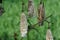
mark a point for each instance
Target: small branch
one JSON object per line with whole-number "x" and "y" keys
{"x": 42, "y": 20}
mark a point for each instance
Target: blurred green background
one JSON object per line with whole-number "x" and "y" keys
{"x": 9, "y": 21}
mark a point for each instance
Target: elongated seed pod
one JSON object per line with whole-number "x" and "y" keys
{"x": 23, "y": 25}
{"x": 41, "y": 13}
{"x": 49, "y": 35}
{"x": 30, "y": 8}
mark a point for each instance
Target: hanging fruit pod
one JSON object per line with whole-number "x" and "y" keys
{"x": 23, "y": 25}
{"x": 41, "y": 13}
{"x": 30, "y": 8}
{"x": 49, "y": 35}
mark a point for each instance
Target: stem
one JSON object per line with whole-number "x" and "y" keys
{"x": 42, "y": 20}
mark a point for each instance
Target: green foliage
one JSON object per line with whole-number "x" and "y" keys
{"x": 9, "y": 21}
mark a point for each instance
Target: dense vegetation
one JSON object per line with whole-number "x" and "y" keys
{"x": 10, "y": 20}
